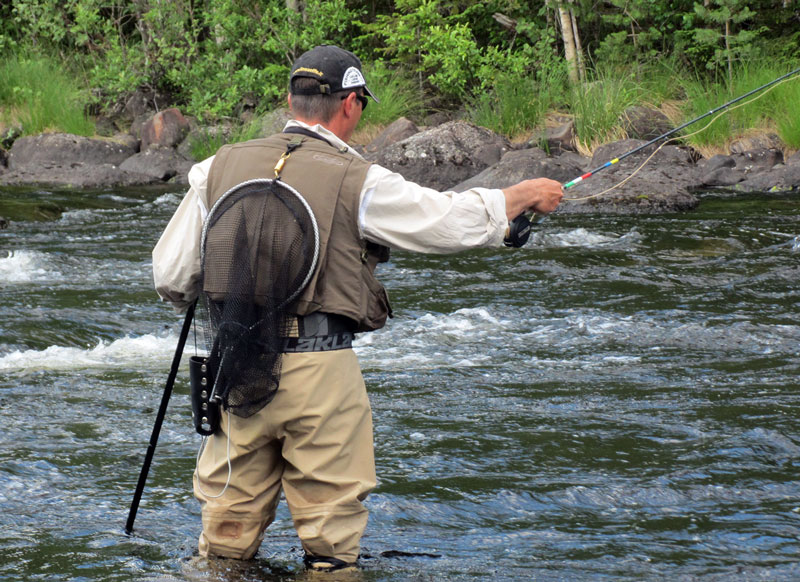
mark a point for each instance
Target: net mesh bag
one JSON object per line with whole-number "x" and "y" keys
{"x": 259, "y": 249}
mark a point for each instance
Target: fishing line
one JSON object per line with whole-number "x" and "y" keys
{"x": 519, "y": 229}
{"x": 230, "y": 468}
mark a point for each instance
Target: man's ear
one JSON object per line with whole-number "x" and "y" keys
{"x": 349, "y": 103}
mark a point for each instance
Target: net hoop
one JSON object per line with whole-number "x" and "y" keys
{"x": 296, "y": 194}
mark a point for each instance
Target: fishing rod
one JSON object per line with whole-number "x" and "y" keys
{"x": 519, "y": 229}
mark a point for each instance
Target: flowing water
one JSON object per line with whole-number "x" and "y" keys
{"x": 616, "y": 401}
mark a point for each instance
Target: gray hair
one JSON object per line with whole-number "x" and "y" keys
{"x": 319, "y": 107}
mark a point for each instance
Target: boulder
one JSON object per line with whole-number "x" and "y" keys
{"x": 718, "y": 171}
{"x": 758, "y": 160}
{"x": 75, "y": 175}
{"x": 274, "y": 122}
{"x": 561, "y": 139}
{"x": 165, "y": 129}
{"x": 645, "y": 123}
{"x": 781, "y": 178}
{"x": 662, "y": 184}
{"x": 58, "y": 149}
{"x": 721, "y": 178}
{"x": 3, "y": 223}
{"x": 516, "y": 166}
{"x": 161, "y": 164}
{"x": 444, "y": 156}
{"x": 397, "y": 131}
{"x": 757, "y": 141}
{"x": 138, "y": 108}
{"x": 716, "y": 162}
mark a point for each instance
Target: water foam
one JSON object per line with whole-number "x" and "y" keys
{"x": 456, "y": 339}
{"x": 579, "y": 237}
{"x": 144, "y": 350}
{"x": 27, "y": 267}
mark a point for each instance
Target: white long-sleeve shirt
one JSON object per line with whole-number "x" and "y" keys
{"x": 393, "y": 212}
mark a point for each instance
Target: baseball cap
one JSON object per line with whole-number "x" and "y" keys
{"x": 336, "y": 70}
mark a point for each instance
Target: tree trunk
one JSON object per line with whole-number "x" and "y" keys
{"x": 578, "y": 48}
{"x": 570, "y": 49}
{"x": 728, "y": 50}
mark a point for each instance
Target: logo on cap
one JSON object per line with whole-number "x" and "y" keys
{"x": 353, "y": 78}
{"x": 307, "y": 70}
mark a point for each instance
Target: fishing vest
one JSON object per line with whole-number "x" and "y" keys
{"x": 331, "y": 181}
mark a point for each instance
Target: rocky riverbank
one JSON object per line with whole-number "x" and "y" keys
{"x": 454, "y": 155}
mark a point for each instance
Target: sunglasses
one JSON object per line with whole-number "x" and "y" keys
{"x": 362, "y": 98}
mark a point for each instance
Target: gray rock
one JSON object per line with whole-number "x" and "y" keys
{"x": 519, "y": 165}
{"x": 160, "y": 164}
{"x": 662, "y": 184}
{"x": 758, "y": 160}
{"x": 645, "y": 123}
{"x": 76, "y": 175}
{"x": 274, "y": 122}
{"x": 444, "y": 156}
{"x": 138, "y": 108}
{"x": 396, "y": 132}
{"x": 781, "y": 178}
{"x": 762, "y": 141}
{"x": 722, "y": 177}
{"x": 560, "y": 139}
{"x": 716, "y": 162}
{"x": 65, "y": 149}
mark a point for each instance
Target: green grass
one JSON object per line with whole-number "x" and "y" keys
{"x": 598, "y": 106}
{"x": 38, "y": 94}
{"x": 775, "y": 108}
{"x": 399, "y": 96}
{"x": 515, "y": 106}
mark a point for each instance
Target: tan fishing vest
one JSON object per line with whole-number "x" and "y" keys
{"x": 331, "y": 181}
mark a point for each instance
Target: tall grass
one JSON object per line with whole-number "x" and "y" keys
{"x": 515, "y": 106}
{"x": 40, "y": 95}
{"x": 598, "y": 106}
{"x": 774, "y": 109}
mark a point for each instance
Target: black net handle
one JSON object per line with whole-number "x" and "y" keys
{"x": 162, "y": 411}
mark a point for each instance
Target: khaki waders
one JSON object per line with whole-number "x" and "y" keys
{"x": 314, "y": 442}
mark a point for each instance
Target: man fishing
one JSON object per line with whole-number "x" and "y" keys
{"x": 314, "y": 440}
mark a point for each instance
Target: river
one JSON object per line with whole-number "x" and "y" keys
{"x": 618, "y": 400}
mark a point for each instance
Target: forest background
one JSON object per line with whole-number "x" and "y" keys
{"x": 504, "y": 64}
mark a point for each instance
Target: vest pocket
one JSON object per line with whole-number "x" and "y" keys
{"x": 374, "y": 301}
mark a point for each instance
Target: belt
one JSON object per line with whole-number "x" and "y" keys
{"x": 320, "y": 332}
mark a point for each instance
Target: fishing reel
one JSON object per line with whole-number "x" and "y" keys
{"x": 519, "y": 229}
